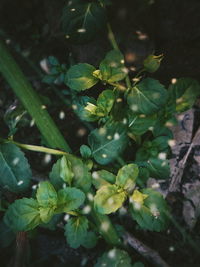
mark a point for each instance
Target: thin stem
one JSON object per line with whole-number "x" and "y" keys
{"x": 111, "y": 37}
{"x": 35, "y": 148}
{"x": 114, "y": 44}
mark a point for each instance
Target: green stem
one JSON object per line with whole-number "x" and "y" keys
{"x": 31, "y": 101}
{"x": 35, "y": 148}
{"x": 114, "y": 44}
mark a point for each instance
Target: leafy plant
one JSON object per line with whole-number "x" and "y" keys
{"x": 128, "y": 116}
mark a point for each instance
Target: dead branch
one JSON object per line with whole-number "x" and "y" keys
{"x": 148, "y": 253}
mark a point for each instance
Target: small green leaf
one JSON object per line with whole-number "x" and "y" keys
{"x": 158, "y": 148}
{"x": 79, "y": 105}
{"x": 82, "y": 20}
{"x": 46, "y": 195}
{"x": 85, "y": 151}
{"x": 112, "y": 68}
{"x": 82, "y": 177}
{"x": 139, "y": 124}
{"x": 23, "y": 215}
{"x": 126, "y": 177}
{"x": 47, "y": 200}
{"x": 152, "y": 63}
{"x": 102, "y": 177}
{"x": 150, "y": 210}
{"x": 53, "y": 60}
{"x": 147, "y": 97}
{"x": 159, "y": 168}
{"x": 183, "y": 94}
{"x": 108, "y": 199}
{"x": 69, "y": 199}
{"x": 105, "y": 102}
{"x": 46, "y": 213}
{"x": 76, "y": 231}
{"x": 114, "y": 258}
{"x": 108, "y": 142}
{"x": 80, "y": 77}
{"x": 15, "y": 172}
{"x": 54, "y": 176}
{"x": 66, "y": 172}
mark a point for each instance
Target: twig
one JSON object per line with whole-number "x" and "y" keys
{"x": 175, "y": 181}
{"x": 147, "y": 252}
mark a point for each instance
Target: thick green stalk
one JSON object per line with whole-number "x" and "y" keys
{"x": 29, "y": 98}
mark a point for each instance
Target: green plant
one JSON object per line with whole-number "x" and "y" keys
{"x": 128, "y": 113}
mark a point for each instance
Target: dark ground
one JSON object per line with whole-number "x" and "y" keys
{"x": 170, "y": 27}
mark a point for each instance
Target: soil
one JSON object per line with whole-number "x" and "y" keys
{"x": 164, "y": 27}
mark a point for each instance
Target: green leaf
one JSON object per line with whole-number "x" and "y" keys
{"x": 66, "y": 172}
{"x": 108, "y": 142}
{"x": 46, "y": 213}
{"x": 152, "y": 63}
{"x": 79, "y": 107}
{"x": 6, "y": 235}
{"x": 82, "y": 177}
{"x": 15, "y": 172}
{"x": 76, "y": 231}
{"x": 90, "y": 240}
{"x": 158, "y": 168}
{"x": 147, "y": 97}
{"x": 54, "y": 176}
{"x": 82, "y": 20}
{"x": 80, "y": 77}
{"x": 151, "y": 212}
{"x": 112, "y": 68}
{"x": 103, "y": 177}
{"x": 183, "y": 94}
{"x": 46, "y": 195}
{"x": 23, "y": 215}
{"x": 47, "y": 199}
{"x": 126, "y": 177}
{"x": 105, "y": 102}
{"x": 114, "y": 258}
{"x": 139, "y": 124}
{"x": 85, "y": 151}
{"x": 69, "y": 199}
{"x": 108, "y": 199}
{"x": 152, "y": 149}
{"x": 53, "y": 61}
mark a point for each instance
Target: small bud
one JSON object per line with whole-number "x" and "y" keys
{"x": 152, "y": 63}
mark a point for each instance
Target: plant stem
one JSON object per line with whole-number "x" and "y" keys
{"x": 35, "y": 148}
{"x": 31, "y": 101}
{"x": 111, "y": 38}
{"x": 115, "y": 46}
